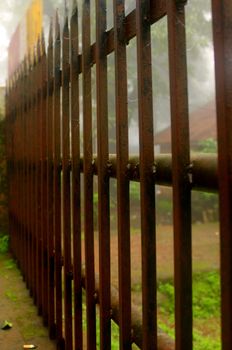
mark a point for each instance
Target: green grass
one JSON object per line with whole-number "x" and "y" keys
{"x": 114, "y": 328}
{"x": 206, "y": 309}
{"x": 4, "y": 244}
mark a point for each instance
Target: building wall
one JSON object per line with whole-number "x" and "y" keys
{"x": 25, "y": 36}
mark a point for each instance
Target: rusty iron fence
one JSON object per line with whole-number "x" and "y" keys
{"x": 45, "y": 111}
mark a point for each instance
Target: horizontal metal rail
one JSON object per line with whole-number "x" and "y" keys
{"x": 202, "y": 170}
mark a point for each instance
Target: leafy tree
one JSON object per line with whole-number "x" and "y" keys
{"x": 208, "y": 146}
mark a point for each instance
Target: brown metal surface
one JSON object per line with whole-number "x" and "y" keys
{"x": 44, "y": 179}
{"x": 27, "y": 174}
{"x": 38, "y": 176}
{"x": 50, "y": 202}
{"x": 22, "y": 173}
{"x": 34, "y": 202}
{"x": 103, "y": 177}
{"x": 124, "y": 263}
{"x": 30, "y": 194}
{"x": 66, "y": 205}
{"x": 146, "y": 142}
{"x": 76, "y": 188}
{"x": 57, "y": 187}
{"x": 180, "y": 178}
{"x": 222, "y": 33}
{"x": 88, "y": 178}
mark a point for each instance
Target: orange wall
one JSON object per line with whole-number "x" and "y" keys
{"x": 25, "y": 36}
{"x": 34, "y": 23}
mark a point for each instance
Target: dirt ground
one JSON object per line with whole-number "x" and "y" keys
{"x": 205, "y": 251}
{"x": 205, "y": 254}
{"x": 17, "y": 307}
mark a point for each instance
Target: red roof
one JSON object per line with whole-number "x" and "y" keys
{"x": 202, "y": 123}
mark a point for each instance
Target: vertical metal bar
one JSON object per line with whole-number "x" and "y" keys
{"x": 16, "y": 242}
{"x": 103, "y": 176}
{"x": 17, "y": 148}
{"x": 180, "y": 166}
{"x": 29, "y": 172}
{"x": 44, "y": 215}
{"x": 22, "y": 167}
{"x": 17, "y": 198}
{"x": 57, "y": 186}
{"x": 13, "y": 167}
{"x": 10, "y": 110}
{"x": 66, "y": 186}
{"x": 37, "y": 177}
{"x": 23, "y": 180}
{"x": 26, "y": 109}
{"x": 124, "y": 262}
{"x": 50, "y": 202}
{"x": 10, "y": 126}
{"x": 8, "y": 145}
{"x": 26, "y": 169}
{"x": 17, "y": 152}
{"x": 16, "y": 170}
{"x": 21, "y": 172}
{"x": 34, "y": 168}
{"x": 24, "y": 172}
{"x": 146, "y": 140}
{"x": 222, "y": 33}
{"x": 33, "y": 176}
{"x": 39, "y": 265}
{"x": 76, "y": 188}
{"x": 88, "y": 178}
{"x": 17, "y": 231}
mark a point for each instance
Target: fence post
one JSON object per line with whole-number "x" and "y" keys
{"x": 123, "y": 186}
{"x": 181, "y": 184}
{"x": 222, "y": 34}
{"x": 146, "y": 144}
{"x": 76, "y": 185}
{"x": 57, "y": 186}
{"x": 88, "y": 177}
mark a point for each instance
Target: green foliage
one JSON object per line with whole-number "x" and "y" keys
{"x": 206, "y": 291}
{"x": 10, "y": 264}
{"x": 205, "y": 342}
{"x": 206, "y": 299}
{"x": 11, "y": 295}
{"x": 134, "y": 192}
{"x": 206, "y": 306}
{"x": 164, "y": 210}
{"x": 114, "y": 327}
{"x": 207, "y": 146}
{"x": 167, "y": 289}
{"x": 4, "y": 244}
{"x": 204, "y": 207}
